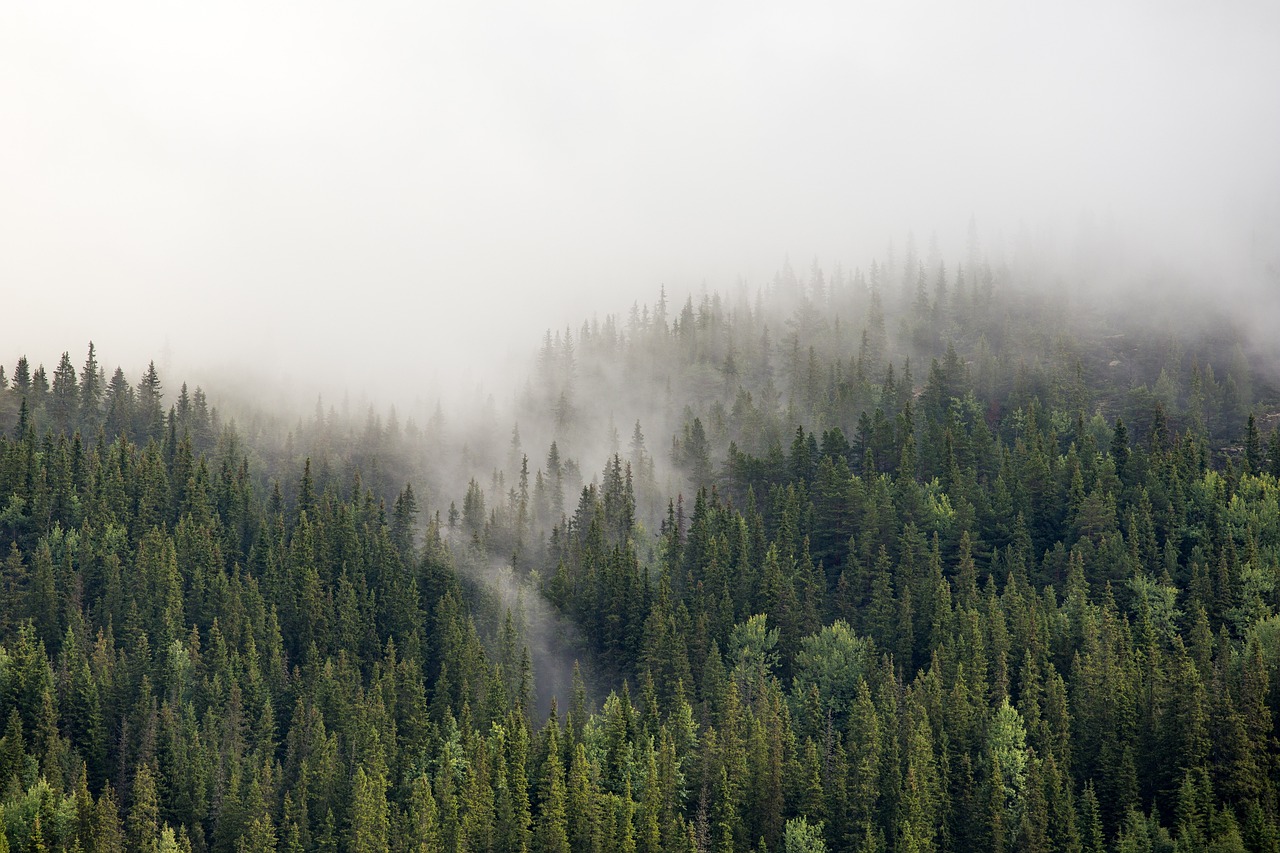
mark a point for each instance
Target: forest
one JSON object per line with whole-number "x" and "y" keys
{"x": 908, "y": 558}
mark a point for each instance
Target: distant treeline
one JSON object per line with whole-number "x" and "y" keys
{"x": 933, "y": 563}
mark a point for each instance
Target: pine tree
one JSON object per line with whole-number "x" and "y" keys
{"x": 107, "y": 834}
{"x": 1273, "y": 453}
{"x": 119, "y": 405}
{"x": 551, "y": 828}
{"x": 64, "y": 400}
{"x": 144, "y": 814}
{"x": 422, "y": 826}
{"x": 149, "y": 415}
{"x": 39, "y": 386}
{"x": 1252, "y": 447}
{"x": 802, "y": 837}
{"x": 403, "y": 519}
{"x": 583, "y": 814}
{"x": 22, "y": 376}
{"x": 369, "y": 821}
{"x": 1120, "y": 447}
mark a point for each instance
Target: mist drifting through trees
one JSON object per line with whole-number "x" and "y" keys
{"x": 655, "y": 429}
{"x": 897, "y": 558}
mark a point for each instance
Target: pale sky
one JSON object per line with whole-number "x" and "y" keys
{"x": 389, "y": 191}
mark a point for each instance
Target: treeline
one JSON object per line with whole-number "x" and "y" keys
{"x": 190, "y": 664}
{"x": 87, "y": 401}
{"x": 938, "y": 679}
{"x": 1061, "y": 534}
{"x": 1027, "y": 601}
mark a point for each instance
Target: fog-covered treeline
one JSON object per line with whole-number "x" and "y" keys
{"x": 908, "y": 557}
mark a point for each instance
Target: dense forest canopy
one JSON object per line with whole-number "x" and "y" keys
{"x": 911, "y": 557}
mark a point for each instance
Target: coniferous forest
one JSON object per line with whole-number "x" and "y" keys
{"x": 907, "y": 558}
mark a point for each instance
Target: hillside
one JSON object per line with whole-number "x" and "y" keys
{"x": 896, "y": 559}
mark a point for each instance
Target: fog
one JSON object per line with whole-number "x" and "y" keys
{"x": 390, "y": 204}
{"x": 393, "y": 200}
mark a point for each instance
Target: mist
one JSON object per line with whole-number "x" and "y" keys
{"x": 341, "y": 211}
{"x": 508, "y": 358}
{"x": 396, "y": 203}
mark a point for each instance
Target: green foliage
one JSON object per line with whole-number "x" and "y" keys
{"x": 1028, "y": 605}
{"x": 802, "y": 837}
{"x": 835, "y": 661}
{"x": 753, "y": 650}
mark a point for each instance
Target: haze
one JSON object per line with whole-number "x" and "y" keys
{"x": 397, "y": 197}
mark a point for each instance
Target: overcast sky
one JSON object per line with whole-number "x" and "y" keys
{"x": 393, "y": 188}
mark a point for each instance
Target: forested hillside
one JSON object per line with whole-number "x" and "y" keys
{"x": 901, "y": 559}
